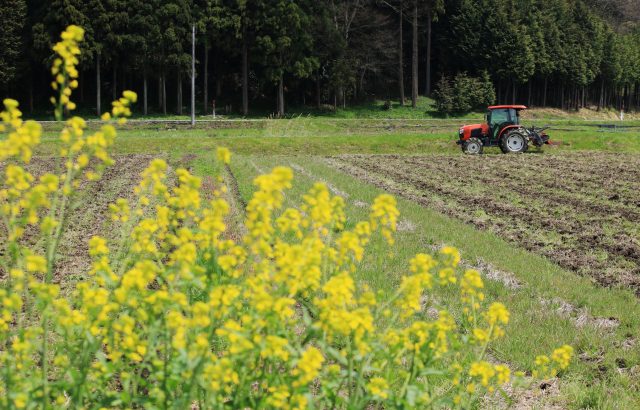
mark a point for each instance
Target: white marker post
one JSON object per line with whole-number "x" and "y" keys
{"x": 193, "y": 76}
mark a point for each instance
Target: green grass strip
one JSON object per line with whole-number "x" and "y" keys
{"x": 595, "y": 380}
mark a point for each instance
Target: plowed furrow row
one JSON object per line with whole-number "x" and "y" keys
{"x": 572, "y": 171}
{"x": 533, "y": 208}
{"x": 570, "y": 226}
{"x": 550, "y": 191}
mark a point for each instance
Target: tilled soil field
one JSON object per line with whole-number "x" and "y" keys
{"x": 580, "y": 210}
{"x": 89, "y": 212}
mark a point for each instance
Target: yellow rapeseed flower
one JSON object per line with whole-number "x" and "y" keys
{"x": 378, "y": 387}
{"x": 224, "y": 155}
{"x": 308, "y": 366}
{"x": 36, "y": 263}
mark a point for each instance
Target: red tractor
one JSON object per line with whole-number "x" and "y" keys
{"x": 501, "y": 129}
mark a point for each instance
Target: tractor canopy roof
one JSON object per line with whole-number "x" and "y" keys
{"x": 515, "y": 107}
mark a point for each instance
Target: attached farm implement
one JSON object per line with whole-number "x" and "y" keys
{"x": 501, "y": 129}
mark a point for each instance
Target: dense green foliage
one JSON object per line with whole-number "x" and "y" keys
{"x": 11, "y": 20}
{"x": 259, "y": 54}
{"x": 464, "y": 93}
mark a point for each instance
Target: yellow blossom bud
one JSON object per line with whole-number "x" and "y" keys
{"x": 224, "y": 155}
{"x": 36, "y": 263}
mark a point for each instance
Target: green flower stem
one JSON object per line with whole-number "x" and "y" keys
{"x": 410, "y": 376}
{"x": 54, "y": 240}
{"x": 350, "y": 366}
{"x": 486, "y": 344}
{"x": 165, "y": 363}
{"x": 45, "y": 329}
{"x": 87, "y": 358}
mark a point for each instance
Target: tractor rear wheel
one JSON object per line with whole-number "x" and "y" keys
{"x": 514, "y": 141}
{"x": 473, "y": 146}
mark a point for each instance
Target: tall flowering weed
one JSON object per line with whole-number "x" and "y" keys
{"x": 176, "y": 314}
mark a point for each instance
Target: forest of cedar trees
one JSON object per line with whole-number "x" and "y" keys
{"x": 270, "y": 55}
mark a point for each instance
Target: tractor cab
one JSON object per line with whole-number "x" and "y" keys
{"x": 501, "y": 116}
{"x": 501, "y": 129}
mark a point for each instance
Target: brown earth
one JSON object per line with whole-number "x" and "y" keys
{"x": 581, "y": 210}
{"x": 88, "y": 212}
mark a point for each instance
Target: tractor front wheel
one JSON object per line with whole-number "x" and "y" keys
{"x": 514, "y": 141}
{"x": 473, "y": 146}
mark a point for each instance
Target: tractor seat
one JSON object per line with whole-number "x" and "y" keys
{"x": 496, "y": 129}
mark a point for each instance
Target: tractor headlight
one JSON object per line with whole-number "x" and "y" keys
{"x": 461, "y": 131}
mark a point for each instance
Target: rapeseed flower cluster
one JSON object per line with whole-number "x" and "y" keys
{"x": 560, "y": 359}
{"x": 175, "y": 313}
{"x": 64, "y": 69}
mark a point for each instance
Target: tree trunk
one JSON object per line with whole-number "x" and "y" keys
{"x": 356, "y": 91}
{"x": 318, "y": 91}
{"x": 514, "y": 92}
{"x": 206, "y": 77}
{"x": 144, "y": 94}
{"x": 179, "y": 92}
{"x": 160, "y": 92}
{"x": 529, "y": 96}
{"x": 98, "y": 86}
{"x": 164, "y": 94}
{"x": 427, "y": 86}
{"x": 611, "y": 96}
{"x": 114, "y": 88}
{"x": 619, "y": 92}
{"x": 574, "y": 99}
{"x": 601, "y": 99}
{"x": 245, "y": 74}
{"x": 281, "y": 96}
{"x": 414, "y": 57}
{"x": 31, "y": 95}
{"x": 400, "y": 60}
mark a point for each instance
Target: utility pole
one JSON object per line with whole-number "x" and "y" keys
{"x": 414, "y": 57}
{"x": 193, "y": 75}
